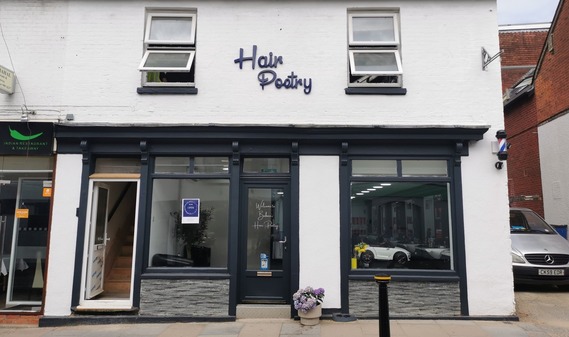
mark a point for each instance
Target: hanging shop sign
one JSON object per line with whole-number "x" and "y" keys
{"x": 28, "y": 139}
{"x": 7, "y": 77}
{"x": 267, "y": 76}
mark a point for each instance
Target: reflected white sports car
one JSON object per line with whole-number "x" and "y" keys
{"x": 389, "y": 253}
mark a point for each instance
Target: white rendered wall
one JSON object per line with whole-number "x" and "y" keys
{"x": 81, "y": 58}
{"x": 487, "y": 231}
{"x": 553, "y": 140}
{"x": 319, "y": 226}
{"x": 63, "y": 235}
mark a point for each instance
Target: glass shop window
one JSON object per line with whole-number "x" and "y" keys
{"x": 189, "y": 223}
{"x": 403, "y": 221}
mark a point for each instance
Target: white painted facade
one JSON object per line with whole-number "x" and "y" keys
{"x": 80, "y": 58}
{"x": 552, "y": 140}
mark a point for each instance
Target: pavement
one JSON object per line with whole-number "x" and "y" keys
{"x": 290, "y": 327}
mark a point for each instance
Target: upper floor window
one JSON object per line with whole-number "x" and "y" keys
{"x": 374, "y": 49}
{"x": 169, "y": 48}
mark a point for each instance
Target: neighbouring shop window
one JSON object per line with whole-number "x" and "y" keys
{"x": 169, "y": 48}
{"x": 25, "y": 204}
{"x": 374, "y": 49}
{"x": 401, "y": 222}
{"x": 201, "y": 243}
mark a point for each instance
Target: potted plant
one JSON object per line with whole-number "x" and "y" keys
{"x": 194, "y": 236}
{"x": 308, "y": 303}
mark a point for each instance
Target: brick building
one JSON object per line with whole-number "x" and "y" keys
{"x": 521, "y": 46}
{"x": 535, "y": 110}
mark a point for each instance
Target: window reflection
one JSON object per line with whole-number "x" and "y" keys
{"x": 401, "y": 225}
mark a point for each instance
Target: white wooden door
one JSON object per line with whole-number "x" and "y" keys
{"x": 97, "y": 241}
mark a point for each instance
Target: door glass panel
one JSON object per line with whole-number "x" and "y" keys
{"x": 266, "y": 165}
{"x": 101, "y": 216}
{"x": 265, "y": 234}
{"x": 95, "y": 268}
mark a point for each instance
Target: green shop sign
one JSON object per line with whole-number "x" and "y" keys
{"x": 27, "y": 139}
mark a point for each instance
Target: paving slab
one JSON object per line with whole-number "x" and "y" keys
{"x": 290, "y": 328}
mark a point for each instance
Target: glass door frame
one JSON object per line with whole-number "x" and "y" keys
{"x": 264, "y": 276}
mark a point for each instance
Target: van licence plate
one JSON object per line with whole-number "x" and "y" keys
{"x": 554, "y": 272}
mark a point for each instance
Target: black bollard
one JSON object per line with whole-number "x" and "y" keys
{"x": 383, "y": 280}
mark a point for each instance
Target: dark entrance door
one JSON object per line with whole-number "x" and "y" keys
{"x": 264, "y": 234}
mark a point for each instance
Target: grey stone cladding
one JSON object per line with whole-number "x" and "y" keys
{"x": 190, "y": 298}
{"x": 406, "y": 299}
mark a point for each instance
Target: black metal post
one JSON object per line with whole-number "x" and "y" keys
{"x": 383, "y": 280}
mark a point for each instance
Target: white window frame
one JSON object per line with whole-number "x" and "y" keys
{"x": 354, "y": 47}
{"x": 186, "y": 68}
{"x": 375, "y": 51}
{"x": 172, "y": 14}
{"x": 187, "y": 46}
{"x": 380, "y": 14}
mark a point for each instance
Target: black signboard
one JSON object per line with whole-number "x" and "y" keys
{"x": 27, "y": 139}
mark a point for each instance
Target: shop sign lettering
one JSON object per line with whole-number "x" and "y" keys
{"x": 17, "y": 138}
{"x": 267, "y": 76}
{"x": 265, "y": 217}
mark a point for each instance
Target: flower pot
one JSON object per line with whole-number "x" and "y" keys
{"x": 311, "y": 317}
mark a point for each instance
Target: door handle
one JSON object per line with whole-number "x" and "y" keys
{"x": 283, "y": 241}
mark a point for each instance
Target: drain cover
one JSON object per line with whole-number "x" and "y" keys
{"x": 343, "y": 317}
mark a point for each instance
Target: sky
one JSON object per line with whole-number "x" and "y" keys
{"x": 526, "y": 11}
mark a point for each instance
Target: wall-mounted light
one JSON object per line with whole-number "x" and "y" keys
{"x": 501, "y": 147}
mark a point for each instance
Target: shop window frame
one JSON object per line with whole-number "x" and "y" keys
{"x": 153, "y": 272}
{"x": 451, "y": 274}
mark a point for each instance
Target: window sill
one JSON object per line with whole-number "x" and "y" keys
{"x": 375, "y": 91}
{"x": 167, "y": 91}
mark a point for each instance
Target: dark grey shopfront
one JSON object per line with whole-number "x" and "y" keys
{"x": 254, "y": 210}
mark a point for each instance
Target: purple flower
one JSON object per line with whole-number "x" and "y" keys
{"x": 307, "y": 298}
